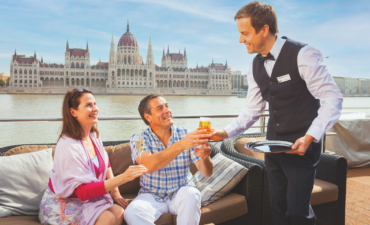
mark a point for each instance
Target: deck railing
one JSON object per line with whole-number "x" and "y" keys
{"x": 262, "y": 125}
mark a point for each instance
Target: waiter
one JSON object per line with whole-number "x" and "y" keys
{"x": 304, "y": 102}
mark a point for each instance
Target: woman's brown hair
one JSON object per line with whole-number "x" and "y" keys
{"x": 71, "y": 127}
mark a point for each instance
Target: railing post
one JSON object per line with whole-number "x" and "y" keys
{"x": 262, "y": 123}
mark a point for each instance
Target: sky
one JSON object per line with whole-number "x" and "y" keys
{"x": 339, "y": 29}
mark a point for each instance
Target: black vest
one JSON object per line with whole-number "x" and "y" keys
{"x": 292, "y": 107}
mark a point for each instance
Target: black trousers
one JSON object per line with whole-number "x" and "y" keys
{"x": 291, "y": 179}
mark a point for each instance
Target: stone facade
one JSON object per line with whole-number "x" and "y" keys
{"x": 237, "y": 80}
{"x": 125, "y": 72}
{"x": 350, "y": 86}
{"x": 363, "y": 86}
{"x": 341, "y": 83}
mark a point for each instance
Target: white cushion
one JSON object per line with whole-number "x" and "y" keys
{"x": 23, "y": 180}
{"x": 226, "y": 175}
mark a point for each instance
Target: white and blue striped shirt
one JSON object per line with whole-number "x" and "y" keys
{"x": 164, "y": 183}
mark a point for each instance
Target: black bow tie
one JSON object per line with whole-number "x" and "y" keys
{"x": 263, "y": 58}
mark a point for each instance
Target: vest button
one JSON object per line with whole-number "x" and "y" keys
{"x": 270, "y": 82}
{"x": 274, "y": 111}
{"x": 272, "y": 97}
{"x": 277, "y": 124}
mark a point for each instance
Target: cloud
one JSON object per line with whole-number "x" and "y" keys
{"x": 203, "y": 9}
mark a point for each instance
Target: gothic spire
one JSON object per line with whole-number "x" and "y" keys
{"x": 34, "y": 55}
{"x": 67, "y": 46}
{"x": 128, "y": 27}
{"x": 15, "y": 52}
{"x": 87, "y": 46}
{"x": 185, "y": 52}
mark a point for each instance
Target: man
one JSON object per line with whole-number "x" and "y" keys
{"x": 168, "y": 151}
{"x": 290, "y": 77}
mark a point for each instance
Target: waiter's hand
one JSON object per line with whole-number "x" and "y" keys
{"x": 218, "y": 134}
{"x": 301, "y": 145}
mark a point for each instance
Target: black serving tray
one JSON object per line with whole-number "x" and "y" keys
{"x": 269, "y": 146}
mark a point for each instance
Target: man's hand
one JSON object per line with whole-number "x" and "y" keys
{"x": 193, "y": 139}
{"x": 218, "y": 134}
{"x": 203, "y": 152}
{"x": 301, "y": 145}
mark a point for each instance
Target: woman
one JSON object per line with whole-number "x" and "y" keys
{"x": 81, "y": 177}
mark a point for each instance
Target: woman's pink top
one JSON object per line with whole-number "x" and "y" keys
{"x": 92, "y": 190}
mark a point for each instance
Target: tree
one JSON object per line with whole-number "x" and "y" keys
{"x": 7, "y": 81}
{"x": 2, "y": 83}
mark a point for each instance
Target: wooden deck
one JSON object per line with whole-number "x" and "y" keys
{"x": 358, "y": 196}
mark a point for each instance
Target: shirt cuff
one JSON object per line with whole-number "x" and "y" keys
{"x": 231, "y": 131}
{"x": 316, "y": 132}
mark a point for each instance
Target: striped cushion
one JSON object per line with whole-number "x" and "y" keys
{"x": 226, "y": 175}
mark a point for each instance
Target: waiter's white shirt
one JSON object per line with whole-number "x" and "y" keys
{"x": 319, "y": 83}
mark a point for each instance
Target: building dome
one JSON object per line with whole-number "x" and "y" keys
{"x": 127, "y": 39}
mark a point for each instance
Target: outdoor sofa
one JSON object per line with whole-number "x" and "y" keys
{"x": 328, "y": 195}
{"x": 243, "y": 205}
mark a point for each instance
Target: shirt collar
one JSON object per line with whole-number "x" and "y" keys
{"x": 156, "y": 137}
{"x": 276, "y": 49}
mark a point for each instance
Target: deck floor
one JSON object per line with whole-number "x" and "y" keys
{"x": 358, "y": 196}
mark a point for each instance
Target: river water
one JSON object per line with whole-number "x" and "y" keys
{"x": 12, "y": 133}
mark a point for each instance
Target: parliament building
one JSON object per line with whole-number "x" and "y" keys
{"x": 125, "y": 72}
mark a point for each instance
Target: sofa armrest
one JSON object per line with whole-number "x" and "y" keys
{"x": 251, "y": 187}
{"x": 333, "y": 169}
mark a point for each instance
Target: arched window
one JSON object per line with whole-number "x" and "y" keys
{"x": 87, "y": 73}
{"x": 77, "y": 65}
{"x": 82, "y": 65}
{"x": 25, "y": 71}
{"x": 30, "y": 72}
{"x": 72, "y": 65}
{"x": 15, "y": 71}
{"x": 34, "y": 72}
{"x": 20, "y": 71}
{"x": 129, "y": 59}
{"x": 67, "y": 73}
{"x": 125, "y": 60}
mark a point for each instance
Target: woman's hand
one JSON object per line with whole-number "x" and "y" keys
{"x": 132, "y": 172}
{"x": 117, "y": 197}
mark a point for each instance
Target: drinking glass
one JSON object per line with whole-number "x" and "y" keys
{"x": 139, "y": 145}
{"x": 205, "y": 123}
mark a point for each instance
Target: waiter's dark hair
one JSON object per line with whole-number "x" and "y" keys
{"x": 260, "y": 14}
{"x": 144, "y": 106}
